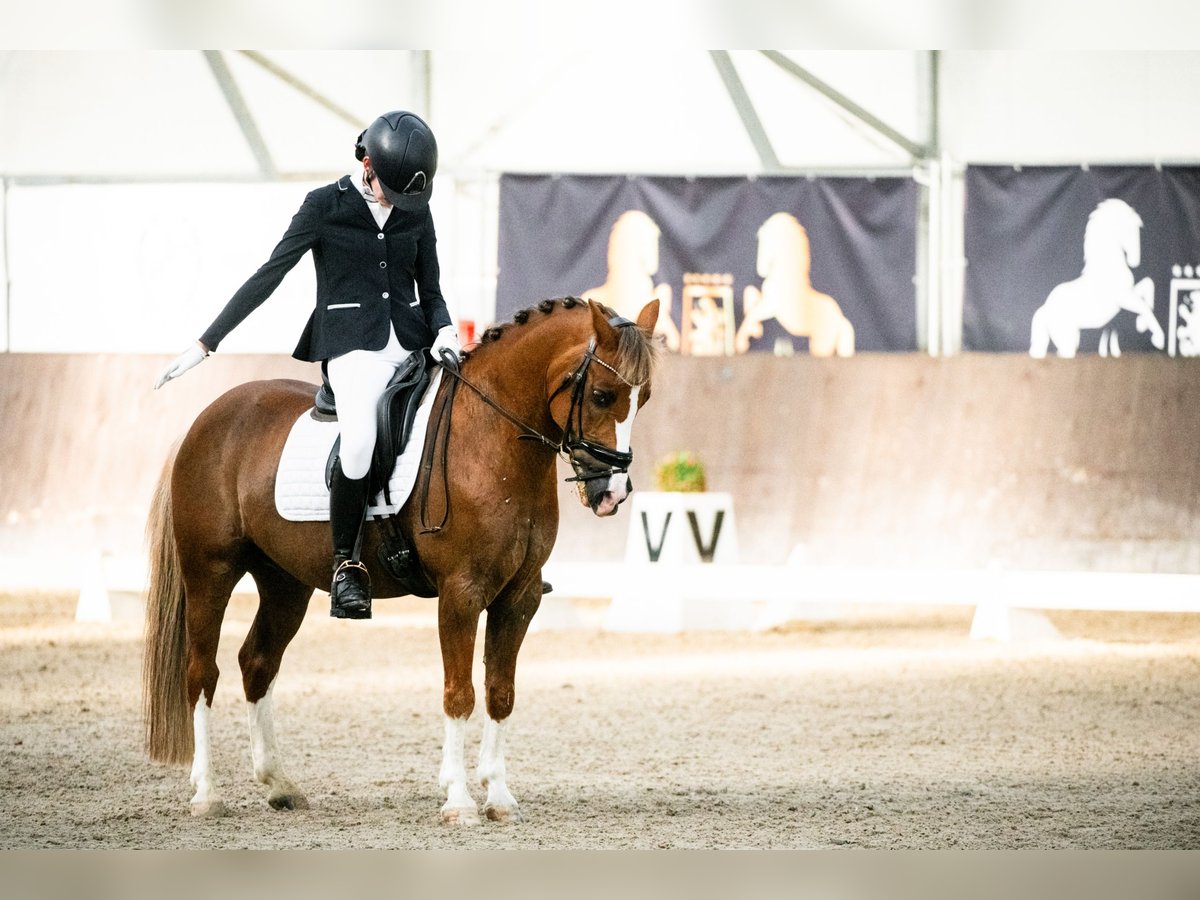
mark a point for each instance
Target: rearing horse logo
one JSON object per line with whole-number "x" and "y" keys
{"x": 787, "y": 294}
{"x": 1111, "y": 250}
{"x": 632, "y": 262}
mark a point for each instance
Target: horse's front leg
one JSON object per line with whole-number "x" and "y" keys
{"x": 457, "y": 623}
{"x": 264, "y": 752}
{"x": 507, "y": 622}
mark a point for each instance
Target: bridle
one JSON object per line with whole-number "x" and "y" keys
{"x": 588, "y": 459}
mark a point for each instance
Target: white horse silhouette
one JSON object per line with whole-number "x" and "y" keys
{"x": 1111, "y": 249}
{"x": 632, "y": 261}
{"x": 787, "y": 294}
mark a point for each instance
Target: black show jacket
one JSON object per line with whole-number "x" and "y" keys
{"x": 365, "y": 277}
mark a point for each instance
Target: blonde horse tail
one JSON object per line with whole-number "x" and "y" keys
{"x": 1039, "y": 334}
{"x": 168, "y": 723}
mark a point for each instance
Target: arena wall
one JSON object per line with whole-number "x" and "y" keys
{"x": 879, "y": 460}
{"x": 906, "y": 460}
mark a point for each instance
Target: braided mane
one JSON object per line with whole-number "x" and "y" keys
{"x": 637, "y": 351}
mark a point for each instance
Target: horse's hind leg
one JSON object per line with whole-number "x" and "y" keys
{"x": 283, "y": 602}
{"x": 507, "y": 622}
{"x": 207, "y": 587}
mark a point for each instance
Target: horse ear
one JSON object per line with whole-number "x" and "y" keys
{"x": 648, "y": 318}
{"x": 605, "y": 333}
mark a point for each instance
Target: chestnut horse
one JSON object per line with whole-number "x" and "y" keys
{"x": 569, "y": 376}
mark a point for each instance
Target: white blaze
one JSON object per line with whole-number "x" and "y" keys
{"x": 616, "y": 483}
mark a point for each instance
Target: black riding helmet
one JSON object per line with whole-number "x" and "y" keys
{"x": 403, "y": 156}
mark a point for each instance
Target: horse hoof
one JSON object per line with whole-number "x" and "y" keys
{"x": 505, "y": 815}
{"x": 209, "y": 809}
{"x": 288, "y": 801}
{"x": 461, "y": 815}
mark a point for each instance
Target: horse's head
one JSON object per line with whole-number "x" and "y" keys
{"x": 782, "y": 240}
{"x": 597, "y": 398}
{"x": 1113, "y": 228}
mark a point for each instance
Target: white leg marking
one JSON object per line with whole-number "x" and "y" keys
{"x": 264, "y": 750}
{"x": 500, "y": 804}
{"x": 204, "y": 802}
{"x": 459, "y": 806}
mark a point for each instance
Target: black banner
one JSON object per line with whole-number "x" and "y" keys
{"x": 1065, "y": 260}
{"x": 821, "y": 265}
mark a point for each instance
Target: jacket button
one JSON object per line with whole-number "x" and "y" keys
{"x": 386, "y": 295}
{"x": 383, "y": 264}
{"x": 380, "y": 236}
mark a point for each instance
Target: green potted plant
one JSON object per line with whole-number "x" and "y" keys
{"x": 680, "y": 471}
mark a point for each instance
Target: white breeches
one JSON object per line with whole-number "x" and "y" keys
{"x": 358, "y": 379}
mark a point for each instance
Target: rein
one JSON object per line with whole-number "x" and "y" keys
{"x": 531, "y": 433}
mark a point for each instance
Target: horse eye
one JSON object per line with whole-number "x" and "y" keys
{"x": 603, "y": 398}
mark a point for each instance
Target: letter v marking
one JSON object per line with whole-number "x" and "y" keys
{"x": 706, "y": 553}
{"x": 654, "y": 552}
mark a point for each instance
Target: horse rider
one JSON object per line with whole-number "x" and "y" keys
{"x": 378, "y": 300}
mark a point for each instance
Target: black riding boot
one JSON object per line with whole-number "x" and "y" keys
{"x": 350, "y": 593}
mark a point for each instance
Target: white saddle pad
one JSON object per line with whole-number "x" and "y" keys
{"x": 300, "y": 492}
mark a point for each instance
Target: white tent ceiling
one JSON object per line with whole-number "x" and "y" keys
{"x": 164, "y": 114}
{"x": 174, "y": 114}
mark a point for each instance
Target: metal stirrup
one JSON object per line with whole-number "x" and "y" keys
{"x": 339, "y": 574}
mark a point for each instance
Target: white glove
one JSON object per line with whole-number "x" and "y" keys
{"x": 192, "y": 356}
{"x": 447, "y": 338}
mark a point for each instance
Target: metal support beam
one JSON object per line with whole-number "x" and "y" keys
{"x": 917, "y": 151}
{"x": 422, "y": 77}
{"x": 303, "y": 87}
{"x": 7, "y": 299}
{"x": 745, "y": 109}
{"x": 927, "y": 172}
{"x": 934, "y": 147}
{"x": 241, "y": 112}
